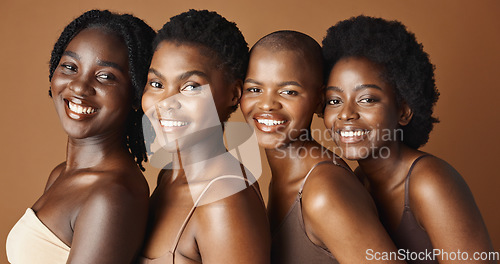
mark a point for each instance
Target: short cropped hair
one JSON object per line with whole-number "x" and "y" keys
{"x": 209, "y": 30}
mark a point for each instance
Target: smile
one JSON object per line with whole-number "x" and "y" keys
{"x": 172, "y": 123}
{"x": 351, "y": 133}
{"x": 79, "y": 109}
{"x": 270, "y": 122}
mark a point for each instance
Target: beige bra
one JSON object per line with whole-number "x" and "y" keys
{"x": 30, "y": 241}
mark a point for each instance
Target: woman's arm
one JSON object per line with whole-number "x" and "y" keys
{"x": 340, "y": 214}
{"x": 110, "y": 225}
{"x": 445, "y": 208}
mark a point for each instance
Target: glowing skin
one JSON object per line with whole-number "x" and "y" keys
{"x": 278, "y": 100}
{"x": 360, "y": 108}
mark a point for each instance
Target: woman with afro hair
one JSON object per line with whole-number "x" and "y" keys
{"x": 206, "y": 207}
{"x": 380, "y": 95}
{"x": 94, "y": 207}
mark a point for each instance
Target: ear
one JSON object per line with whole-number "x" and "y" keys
{"x": 321, "y": 102}
{"x": 237, "y": 89}
{"x": 405, "y": 114}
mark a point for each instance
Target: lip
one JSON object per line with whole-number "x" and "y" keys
{"x": 269, "y": 122}
{"x": 78, "y": 109}
{"x": 351, "y": 135}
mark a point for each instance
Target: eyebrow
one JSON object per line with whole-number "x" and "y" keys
{"x": 191, "y": 73}
{"x": 71, "y": 54}
{"x": 281, "y": 84}
{"x": 357, "y": 88}
{"x": 252, "y": 81}
{"x": 109, "y": 64}
{"x": 287, "y": 83}
{"x": 366, "y": 86}
{"x": 182, "y": 76}
{"x": 334, "y": 88}
{"x": 99, "y": 62}
{"x": 157, "y": 73}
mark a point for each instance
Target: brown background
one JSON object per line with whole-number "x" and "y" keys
{"x": 462, "y": 38}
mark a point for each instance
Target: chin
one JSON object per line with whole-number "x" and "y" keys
{"x": 270, "y": 142}
{"x": 354, "y": 154}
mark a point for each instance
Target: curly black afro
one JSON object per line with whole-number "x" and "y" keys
{"x": 405, "y": 66}
{"x": 212, "y": 31}
{"x": 138, "y": 38}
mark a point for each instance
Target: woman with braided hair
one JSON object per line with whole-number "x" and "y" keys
{"x": 94, "y": 207}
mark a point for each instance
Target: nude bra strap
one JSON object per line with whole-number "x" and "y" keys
{"x": 407, "y": 181}
{"x": 191, "y": 212}
{"x": 309, "y": 173}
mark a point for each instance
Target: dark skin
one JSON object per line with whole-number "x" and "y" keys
{"x": 339, "y": 214}
{"x": 357, "y": 98}
{"x": 230, "y": 224}
{"x": 95, "y": 201}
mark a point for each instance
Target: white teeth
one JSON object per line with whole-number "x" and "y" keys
{"x": 170, "y": 123}
{"x": 269, "y": 122}
{"x": 351, "y": 133}
{"x": 80, "y": 109}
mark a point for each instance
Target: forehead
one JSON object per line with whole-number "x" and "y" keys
{"x": 182, "y": 56}
{"x": 282, "y": 65}
{"x": 101, "y": 44}
{"x": 357, "y": 68}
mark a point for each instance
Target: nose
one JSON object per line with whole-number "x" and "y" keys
{"x": 348, "y": 112}
{"x": 169, "y": 102}
{"x": 82, "y": 87}
{"x": 268, "y": 102}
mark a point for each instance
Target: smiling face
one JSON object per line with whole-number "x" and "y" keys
{"x": 91, "y": 87}
{"x": 361, "y": 109}
{"x": 186, "y": 93}
{"x": 280, "y": 95}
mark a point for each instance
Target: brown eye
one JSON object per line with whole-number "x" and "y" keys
{"x": 156, "y": 85}
{"x": 367, "y": 100}
{"x": 333, "y": 102}
{"x": 68, "y": 67}
{"x": 289, "y": 92}
{"x": 192, "y": 89}
{"x": 106, "y": 76}
{"x": 253, "y": 90}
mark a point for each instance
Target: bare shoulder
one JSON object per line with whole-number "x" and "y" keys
{"x": 444, "y": 206}
{"x": 332, "y": 187}
{"x": 433, "y": 179}
{"x": 116, "y": 185}
{"x": 231, "y": 196}
{"x": 233, "y": 229}
{"x": 112, "y": 195}
{"x": 111, "y": 218}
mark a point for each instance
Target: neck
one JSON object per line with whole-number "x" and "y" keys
{"x": 196, "y": 156}
{"x": 287, "y": 161}
{"x": 384, "y": 171}
{"x": 90, "y": 152}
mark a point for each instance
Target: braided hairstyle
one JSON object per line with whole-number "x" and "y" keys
{"x": 138, "y": 38}
{"x": 404, "y": 63}
{"x": 210, "y": 30}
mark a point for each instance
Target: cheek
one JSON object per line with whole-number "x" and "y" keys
{"x": 57, "y": 84}
{"x": 246, "y": 105}
{"x": 147, "y": 102}
{"x": 329, "y": 118}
